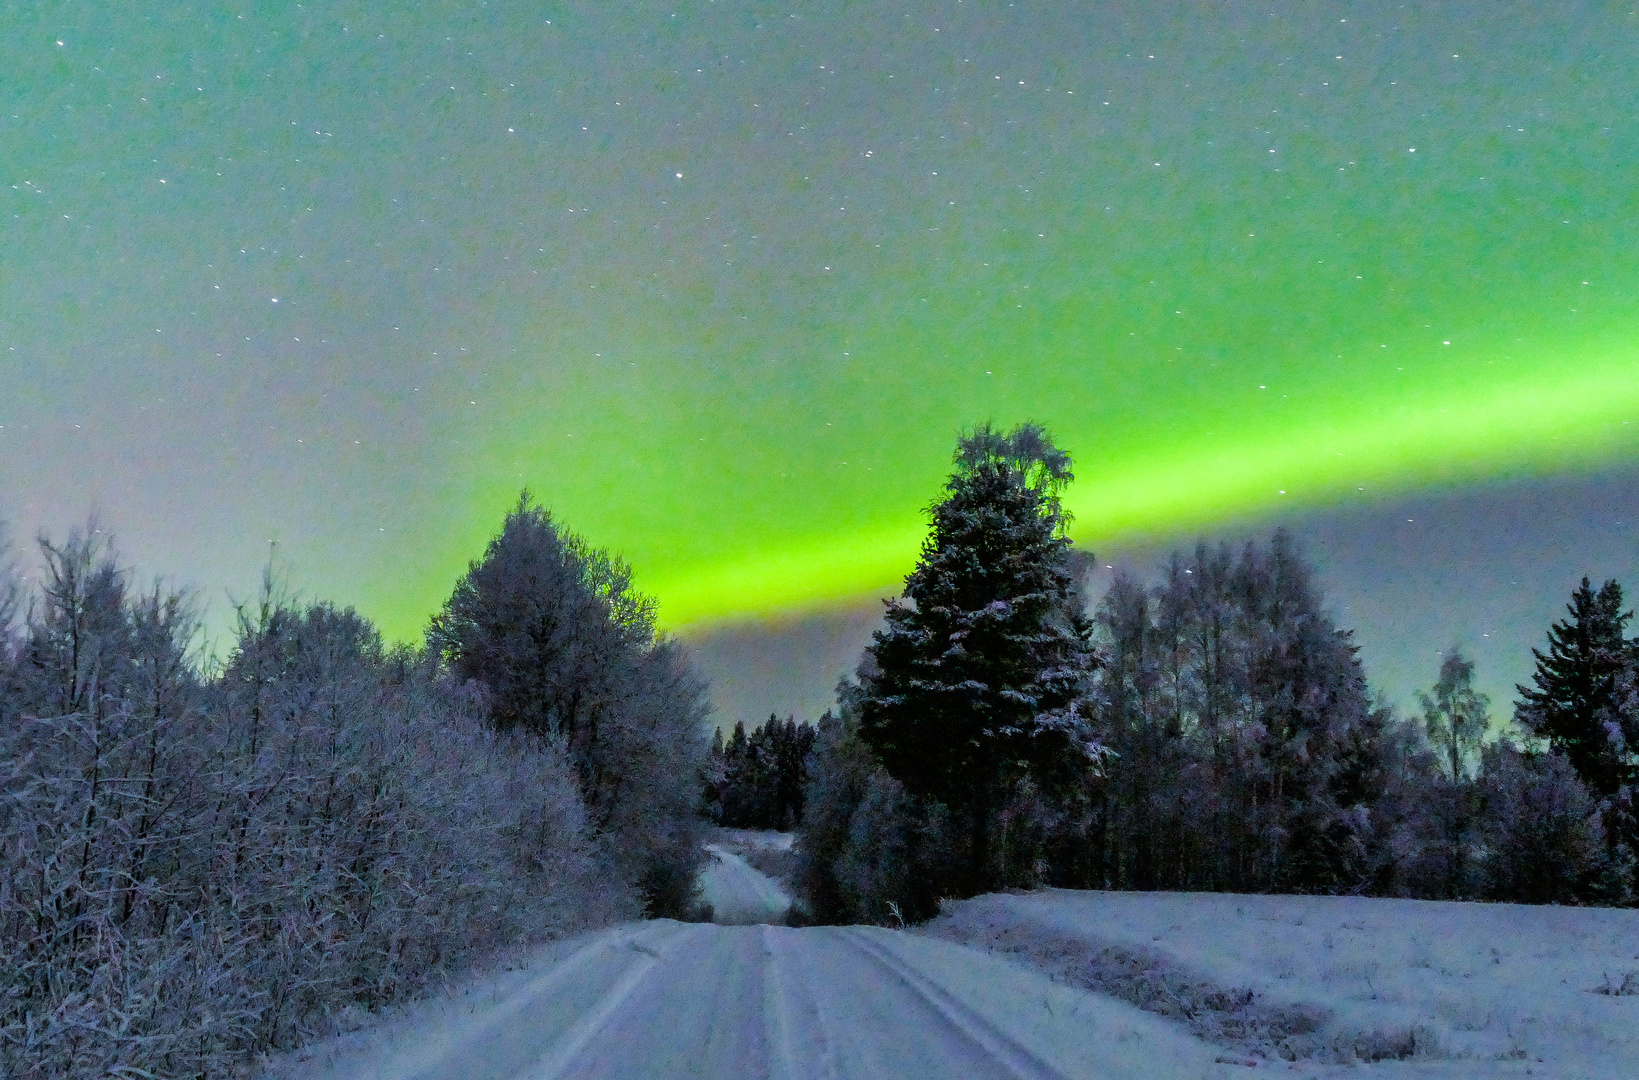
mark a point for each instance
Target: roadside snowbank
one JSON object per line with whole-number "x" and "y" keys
{"x": 1433, "y": 989}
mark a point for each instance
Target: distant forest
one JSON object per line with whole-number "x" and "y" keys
{"x": 203, "y": 861}
{"x": 1210, "y": 731}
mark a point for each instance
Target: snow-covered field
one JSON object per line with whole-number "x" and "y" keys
{"x": 1433, "y": 989}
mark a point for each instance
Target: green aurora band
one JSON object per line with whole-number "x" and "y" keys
{"x": 1203, "y": 447}
{"x": 722, "y": 283}
{"x": 1218, "y": 377}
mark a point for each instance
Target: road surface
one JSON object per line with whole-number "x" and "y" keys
{"x": 648, "y": 1001}
{"x": 740, "y": 895}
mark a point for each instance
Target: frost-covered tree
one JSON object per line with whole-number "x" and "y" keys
{"x": 979, "y": 677}
{"x": 11, "y": 591}
{"x": 1576, "y": 704}
{"x": 867, "y": 850}
{"x": 1455, "y": 715}
{"x": 1543, "y": 841}
{"x": 563, "y": 646}
{"x": 199, "y": 866}
{"x": 1248, "y": 754}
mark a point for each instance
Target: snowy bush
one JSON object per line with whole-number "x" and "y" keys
{"x": 1543, "y": 841}
{"x": 195, "y": 870}
{"x": 867, "y": 851}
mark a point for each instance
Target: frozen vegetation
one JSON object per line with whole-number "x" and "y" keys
{"x": 1441, "y": 989}
{"x": 204, "y": 863}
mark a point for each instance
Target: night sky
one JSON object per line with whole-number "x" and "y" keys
{"x": 720, "y": 282}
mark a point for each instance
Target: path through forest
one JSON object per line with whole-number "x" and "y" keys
{"x": 667, "y": 999}
{"x": 646, "y": 1001}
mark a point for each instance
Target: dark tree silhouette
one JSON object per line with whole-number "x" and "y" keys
{"x": 1577, "y": 703}
{"x": 564, "y": 647}
{"x": 979, "y": 674}
{"x": 755, "y": 781}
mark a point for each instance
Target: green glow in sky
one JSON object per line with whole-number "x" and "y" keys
{"x": 721, "y": 283}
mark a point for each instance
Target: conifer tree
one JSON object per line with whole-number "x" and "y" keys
{"x": 980, "y": 674}
{"x": 755, "y": 781}
{"x": 1577, "y": 704}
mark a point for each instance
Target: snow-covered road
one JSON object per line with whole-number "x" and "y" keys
{"x": 667, "y": 999}
{"x": 738, "y": 894}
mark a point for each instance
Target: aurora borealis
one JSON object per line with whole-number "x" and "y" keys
{"x": 720, "y": 281}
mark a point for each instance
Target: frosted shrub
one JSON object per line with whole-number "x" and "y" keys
{"x": 1542, "y": 835}
{"x": 867, "y": 851}
{"x": 194, "y": 872}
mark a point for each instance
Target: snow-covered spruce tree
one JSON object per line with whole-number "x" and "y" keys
{"x": 564, "y": 646}
{"x": 1585, "y": 704}
{"x": 1576, "y": 704}
{"x": 977, "y": 696}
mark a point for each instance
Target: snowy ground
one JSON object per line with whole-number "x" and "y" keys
{"x": 738, "y": 895}
{"x": 744, "y": 840}
{"x": 1458, "y": 990}
{"x": 1038, "y": 986}
{"x": 665, "y": 999}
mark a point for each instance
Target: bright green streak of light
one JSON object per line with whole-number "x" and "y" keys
{"x": 760, "y": 437}
{"x": 1581, "y": 418}
{"x": 719, "y": 533}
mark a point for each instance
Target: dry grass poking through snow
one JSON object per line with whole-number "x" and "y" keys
{"x": 1343, "y": 979}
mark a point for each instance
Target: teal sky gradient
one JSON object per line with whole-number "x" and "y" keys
{"x": 720, "y": 282}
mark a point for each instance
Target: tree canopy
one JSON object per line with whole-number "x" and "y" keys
{"x": 975, "y": 687}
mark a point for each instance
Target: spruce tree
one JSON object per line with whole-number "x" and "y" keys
{"x": 1576, "y": 704}
{"x": 980, "y": 673}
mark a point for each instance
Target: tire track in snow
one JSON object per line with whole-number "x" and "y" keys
{"x": 802, "y": 1048}
{"x": 967, "y": 1023}
{"x": 429, "y": 1062}
{"x": 780, "y": 1003}
{"x": 556, "y": 1063}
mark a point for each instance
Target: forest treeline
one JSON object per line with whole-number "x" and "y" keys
{"x": 205, "y": 862}
{"x": 1210, "y": 731}
{"x": 756, "y": 781}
